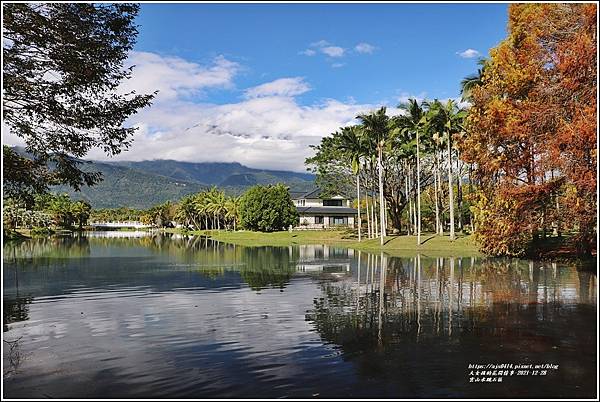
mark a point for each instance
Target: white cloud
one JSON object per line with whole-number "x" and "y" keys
{"x": 175, "y": 77}
{"x": 338, "y": 65}
{"x": 333, "y": 51}
{"x": 272, "y": 132}
{"x": 308, "y": 52}
{"x": 364, "y": 48}
{"x": 321, "y": 43}
{"x": 268, "y": 128}
{"x": 469, "y": 54}
{"x": 324, "y": 47}
{"x": 281, "y": 87}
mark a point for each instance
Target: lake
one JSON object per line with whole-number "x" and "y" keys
{"x": 128, "y": 314}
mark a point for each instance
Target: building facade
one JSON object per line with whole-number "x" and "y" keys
{"x": 318, "y": 212}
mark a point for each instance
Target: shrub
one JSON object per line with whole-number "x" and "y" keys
{"x": 267, "y": 209}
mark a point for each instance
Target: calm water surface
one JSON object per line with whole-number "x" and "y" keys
{"x": 155, "y": 316}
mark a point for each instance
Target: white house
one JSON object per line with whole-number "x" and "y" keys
{"x": 318, "y": 212}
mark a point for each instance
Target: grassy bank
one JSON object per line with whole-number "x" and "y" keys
{"x": 393, "y": 245}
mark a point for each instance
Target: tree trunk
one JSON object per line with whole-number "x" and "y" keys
{"x": 413, "y": 178}
{"x": 375, "y": 219}
{"x": 368, "y": 215}
{"x": 435, "y": 188}
{"x": 358, "y": 205}
{"x": 450, "y": 190}
{"x": 409, "y": 196}
{"x": 408, "y": 200}
{"x": 459, "y": 192}
{"x": 418, "y": 193}
{"x": 381, "y": 200}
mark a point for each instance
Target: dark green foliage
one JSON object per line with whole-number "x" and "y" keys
{"x": 63, "y": 63}
{"x": 267, "y": 209}
{"x": 23, "y": 177}
{"x": 332, "y": 167}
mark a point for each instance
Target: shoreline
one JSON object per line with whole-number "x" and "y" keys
{"x": 396, "y": 245}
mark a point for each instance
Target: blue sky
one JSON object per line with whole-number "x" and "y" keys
{"x": 259, "y": 83}
{"x": 415, "y": 51}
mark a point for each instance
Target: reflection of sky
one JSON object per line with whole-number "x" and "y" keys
{"x": 262, "y": 334}
{"x": 148, "y": 321}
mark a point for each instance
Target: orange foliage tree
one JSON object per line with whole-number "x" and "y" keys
{"x": 531, "y": 130}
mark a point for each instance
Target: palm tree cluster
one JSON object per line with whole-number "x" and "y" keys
{"x": 207, "y": 210}
{"x": 48, "y": 210}
{"x": 395, "y": 160}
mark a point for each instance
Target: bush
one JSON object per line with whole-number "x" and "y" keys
{"x": 267, "y": 208}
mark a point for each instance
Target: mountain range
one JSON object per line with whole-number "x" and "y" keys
{"x": 143, "y": 184}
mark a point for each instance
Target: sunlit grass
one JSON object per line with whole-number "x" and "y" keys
{"x": 396, "y": 245}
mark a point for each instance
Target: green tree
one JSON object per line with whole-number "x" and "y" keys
{"x": 376, "y": 126}
{"x": 186, "y": 212}
{"x": 351, "y": 142}
{"x": 267, "y": 208}
{"x": 59, "y": 207}
{"x": 470, "y": 82}
{"x": 81, "y": 211}
{"x": 23, "y": 177}
{"x": 412, "y": 123}
{"x": 451, "y": 118}
{"x": 232, "y": 207}
{"x": 62, "y": 66}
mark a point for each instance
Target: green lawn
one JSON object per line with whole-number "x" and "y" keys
{"x": 394, "y": 245}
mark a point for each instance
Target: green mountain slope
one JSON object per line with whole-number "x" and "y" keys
{"x": 122, "y": 186}
{"x": 217, "y": 173}
{"x": 147, "y": 183}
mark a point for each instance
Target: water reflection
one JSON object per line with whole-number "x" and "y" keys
{"x": 426, "y": 315}
{"x": 153, "y": 315}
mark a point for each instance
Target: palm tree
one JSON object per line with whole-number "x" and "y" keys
{"x": 351, "y": 143}
{"x": 412, "y": 123}
{"x": 451, "y": 116}
{"x": 81, "y": 212}
{"x": 434, "y": 125}
{"x": 216, "y": 205}
{"x": 232, "y": 210}
{"x": 376, "y": 126}
{"x": 186, "y": 212}
{"x": 473, "y": 81}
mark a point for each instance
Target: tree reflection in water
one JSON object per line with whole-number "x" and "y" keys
{"x": 394, "y": 305}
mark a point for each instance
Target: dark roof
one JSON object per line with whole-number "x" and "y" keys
{"x": 315, "y": 193}
{"x": 327, "y": 210}
{"x": 296, "y": 194}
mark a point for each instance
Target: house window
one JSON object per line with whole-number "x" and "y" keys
{"x": 300, "y": 203}
{"x": 339, "y": 220}
{"x": 332, "y": 203}
{"x": 319, "y": 219}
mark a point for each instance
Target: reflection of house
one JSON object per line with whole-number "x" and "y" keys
{"x": 318, "y": 212}
{"x": 323, "y": 258}
{"x": 320, "y": 252}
